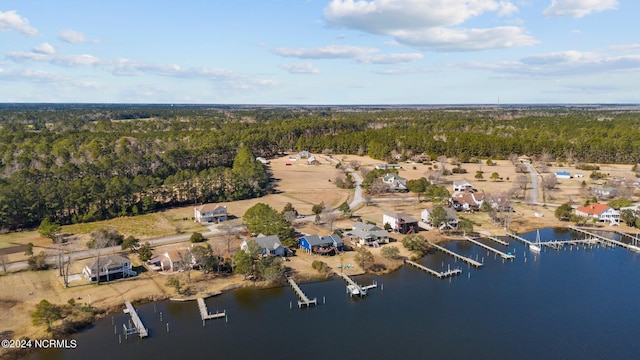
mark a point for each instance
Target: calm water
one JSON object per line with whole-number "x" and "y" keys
{"x": 572, "y": 304}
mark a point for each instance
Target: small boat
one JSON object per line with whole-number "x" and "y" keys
{"x": 536, "y": 247}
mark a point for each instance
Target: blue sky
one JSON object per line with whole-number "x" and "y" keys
{"x": 320, "y": 51}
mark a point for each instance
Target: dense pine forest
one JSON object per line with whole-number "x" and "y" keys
{"x": 78, "y": 163}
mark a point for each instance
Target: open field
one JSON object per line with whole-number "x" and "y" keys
{"x": 298, "y": 183}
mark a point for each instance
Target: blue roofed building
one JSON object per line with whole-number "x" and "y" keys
{"x": 323, "y": 245}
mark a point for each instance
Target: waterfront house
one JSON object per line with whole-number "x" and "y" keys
{"x": 462, "y": 185}
{"x": 323, "y": 245}
{"x": 400, "y": 222}
{"x": 173, "y": 260}
{"x": 270, "y": 245}
{"x": 563, "y": 175}
{"x": 395, "y": 182}
{"x": 450, "y": 221}
{"x": 467, "y": 201}
{"x": 600, "y": 212}
{"x": 108, "y": 267}
{"x": 209, "y": 213}
{"x": 367, "y": 234}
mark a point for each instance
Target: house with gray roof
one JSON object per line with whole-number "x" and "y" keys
{"x": 367, "y": 234}
{"x": 395, "y": 182}
{"x": 108, "y": 267}
{"x": 270, "y": 245}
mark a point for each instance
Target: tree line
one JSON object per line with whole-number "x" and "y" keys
{"x": 77, "y": 163}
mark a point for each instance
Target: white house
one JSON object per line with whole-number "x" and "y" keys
{"x": 395, "y": 182}
{"x": 599, "y": 211}
{"x": 172, "y": 260}
{"x": 462, "y": 185}
{"x": 451, "y": 220}
{"x": 270, "y": 245}
{"x": 209, "y": 213}
{"x": 109, "y": 267}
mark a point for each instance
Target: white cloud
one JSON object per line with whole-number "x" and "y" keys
{"x": 44, "y": 48}
{"x": 74, "y": 37}
{"x": 300, "y": 68}
{"x": 11, "y": 21}
{"x": 466, "y": 39}
{"x": 326, "y": 52}
{"x": 363, "y": 55}
{"x": 578, "y": 8}
{"x": 429, "y": 24}
{"x": 63, "y": 60}
{"x": 31, "y": 76}
{"x": 563, "y": 63}
{"x": 391, "y": 58}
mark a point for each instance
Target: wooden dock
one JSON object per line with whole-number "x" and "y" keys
{"x": 354, "y": 288}
{"x": 527, "y": 242}
{"x": 487, "y": 247}
{"x": 138, "y": 326}
{"x": 501, "y": 242}
{"x": 606, "y": 240}
{"x": 303, "y": 299}
{"x": 470, "y": 261}
{"x": 205, "y": 314}
{"x": 559, "y": 244}
{"x": 438, "y": 274}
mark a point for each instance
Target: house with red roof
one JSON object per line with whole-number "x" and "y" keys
{"x": 601, "y": 212}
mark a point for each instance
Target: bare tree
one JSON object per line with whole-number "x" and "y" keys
{"x": 442, "y": 160}
{"x": 354, "y": 164}
{"x": 367, "y": 199}
{"x": 4, "y": 263}
{"x": 229, "y": 229}
{"x": 513, "y": 158}
{"x": 100, "y": 239}
{"x": 550, "y": 181}
{"x": 186, "y": 263}
{"x": 329, "y": 217}
{"x": 522, "y": 181}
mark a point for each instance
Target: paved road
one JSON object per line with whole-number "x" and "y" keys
{"x": 533, "y": 194}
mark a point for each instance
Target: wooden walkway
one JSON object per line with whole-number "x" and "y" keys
{"x": 520, "y": 238}
{"x": 138, "y": 326}
{"x": 606, "y": 240}
{"x": 438, "y": 274}
{"x": 558, "y": 244}
{"x": 501, "y": 242}
{"x": 205, "y": 314}
{"x": 304, "y": 300}
{"x": 470, "y": 261}
{"x": 487, "y": 247}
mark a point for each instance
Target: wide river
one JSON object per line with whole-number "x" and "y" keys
{"x": 569, "y": 304}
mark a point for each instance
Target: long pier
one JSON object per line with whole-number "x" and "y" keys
{"x": 557, "y": 244}
{"x": 438, "y": 274}
{"x": 138, "y": 326}
{"x": 304, "y": 300}
{"x": 205, "y": 314}
{"x": 607, "y": 240}
{"x": 520, "y": 238}
{"x": 487, "y": 247}
{"x": 470, "y": 261}
{"x": 501, "y": 242}
{"x": 354, "y": 288}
